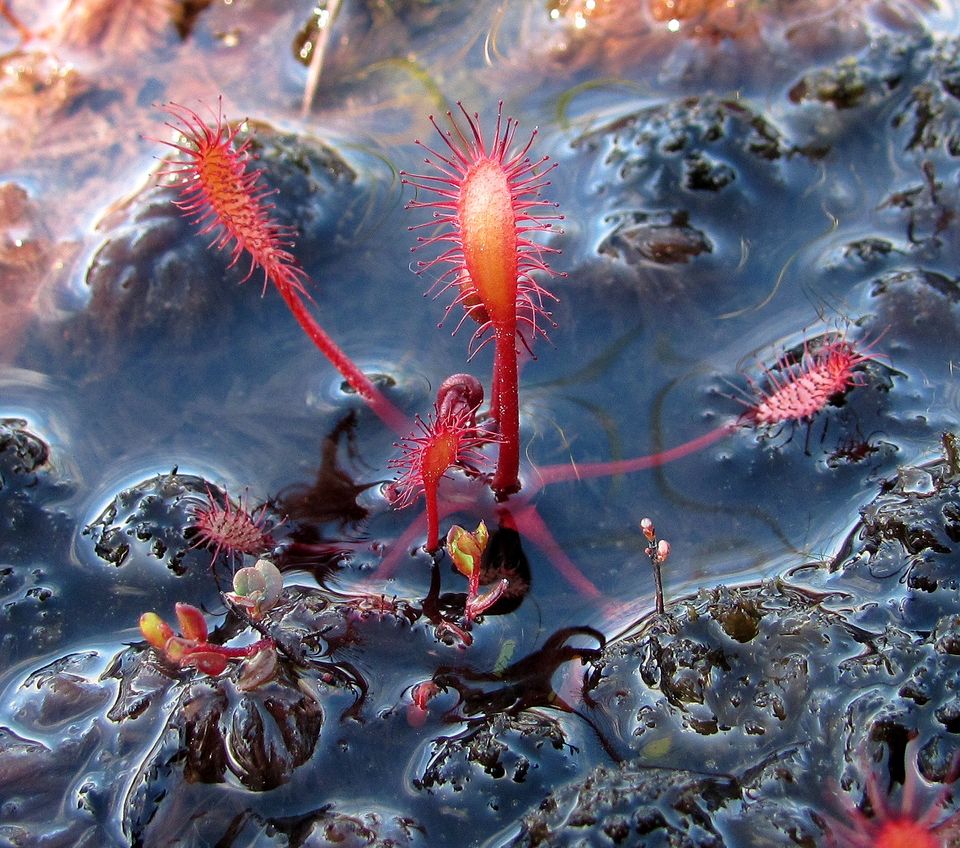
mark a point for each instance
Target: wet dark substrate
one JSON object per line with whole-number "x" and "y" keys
{"x": 784, "y": 694}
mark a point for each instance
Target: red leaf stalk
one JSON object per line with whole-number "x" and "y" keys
{"x": 797, "y": 390}
{"x": 225, "y": 198}
{"x": 582, "y": 471}
{"x": 486, "y": 206}
{"x": 191, "y": 647}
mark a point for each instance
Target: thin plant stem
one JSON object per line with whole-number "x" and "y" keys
{"x": 375, "y": 399}
{"x": 505, "y": 405}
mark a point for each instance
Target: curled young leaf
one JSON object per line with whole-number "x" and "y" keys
{"x": 155, "y": 630}
{"x": 257, "y": 589}
{"x": 193, "y": 626}
{"x": 466, "y": 548}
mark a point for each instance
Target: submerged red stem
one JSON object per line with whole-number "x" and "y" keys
{"x": 581, "y": 471}
{"x": 375, "y": 399}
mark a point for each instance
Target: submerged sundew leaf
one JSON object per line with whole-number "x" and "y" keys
{"x": 257, "y": 669}
{"x": 505, "y": 657}
{"x": 657, "y": 748}
{"x": 271, "y": 733}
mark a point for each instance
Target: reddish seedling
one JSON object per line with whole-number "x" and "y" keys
{"x": 224, "y": 197}
{"x": 486, "y": 207}
{"x": 256, "y": 588}
{"x": 448, "y": 438}
{"x": 191, "y": 648}
{"x": 466, "y": 551}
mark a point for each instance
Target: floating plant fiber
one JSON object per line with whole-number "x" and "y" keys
{"x": 225, "y": 199}
{"x": 485, "y": 209}
{"x": 798, "y": 390}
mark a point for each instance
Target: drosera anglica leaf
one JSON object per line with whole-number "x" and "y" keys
{"x": 487, "y": 206}
{"x": 224, "y": 197}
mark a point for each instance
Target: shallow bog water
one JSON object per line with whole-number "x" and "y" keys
{"x": 737, "y": 181}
